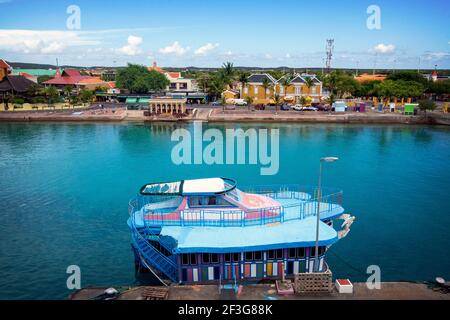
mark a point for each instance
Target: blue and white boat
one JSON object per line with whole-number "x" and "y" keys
{"x": 208, "y": 230}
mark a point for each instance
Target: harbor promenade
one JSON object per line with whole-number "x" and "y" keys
{"x": 218, "y": 115}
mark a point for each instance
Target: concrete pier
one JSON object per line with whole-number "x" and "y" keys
{"x": 388, "y": 291}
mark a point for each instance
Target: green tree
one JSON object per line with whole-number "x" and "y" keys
{"x": 228, "y": 72}
{"x": 41, "y": 79}
{"x": 425, "y": 105}
{"x": 86, "y": 95}
{"x": 51, "y": 93}
{"x": 340, "y": 83}
{"x": 67, "y": 90}
{"x": 249, "y": 100}
{"x": 331, "y": 99}
{"x": 138, "y": 79}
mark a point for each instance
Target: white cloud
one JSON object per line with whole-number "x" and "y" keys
{"x": 174, "y": 49}
{"x": 132, "y": 47}
{"x": 383, "y": 48}
{"x": 204, "y": 50}
{"x": 288, "y": 56}
{"x": 436, "y": 55}
{"x": 228, "y": 53}
{"x": 44, "y": 42}
{"x": 267, "y": 56}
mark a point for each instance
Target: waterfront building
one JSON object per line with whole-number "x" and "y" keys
{"x": 166, "y": 105}
{"x": 230, "y": 95}
{"x": 263, "y": 87}
{"x": 209, "y": 231}
{"x": 177, "y": 82}
{"x": 72, "y": 77}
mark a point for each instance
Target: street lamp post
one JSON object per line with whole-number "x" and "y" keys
{"x": 316, "y": 259}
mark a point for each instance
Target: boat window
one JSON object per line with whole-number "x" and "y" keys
{"x": 227, "y": 257}
{"x": 271, "y": 254}
{"x": 292, "y": 253}
{"x": 214, "y": 258}
{"x": 193, "y": 258}
{"x": 200, "y": 201}
{"x": 300, "y": 252}
{"x": 258, "y": 255}
{"x": 236, "y": 256}
{"x": 280, "y": 253}
{"x": 249, "y": 256}
{"x": 185, "y": 259}
{"x": 312, "y": 250}
{"x": 205, "y": 257}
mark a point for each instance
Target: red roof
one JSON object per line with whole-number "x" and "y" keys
{"x": 67, "y": 77}
{"x": 3, "y": 64}
{"x": 175, "y": 75}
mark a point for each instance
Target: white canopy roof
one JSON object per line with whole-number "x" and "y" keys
{"x": 208, "y": 185}
{"x": 189, "y": 187}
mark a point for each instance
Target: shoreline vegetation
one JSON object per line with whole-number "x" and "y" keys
{"x": 218, "y": 115}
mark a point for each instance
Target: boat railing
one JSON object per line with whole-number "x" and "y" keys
{"x": 306, "y": 205}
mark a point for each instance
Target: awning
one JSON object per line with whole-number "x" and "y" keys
{"x": 144, "y": 100}
{"x": 131, "y": 100}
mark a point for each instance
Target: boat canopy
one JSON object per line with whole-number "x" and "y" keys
{"x": 208, "y": 186}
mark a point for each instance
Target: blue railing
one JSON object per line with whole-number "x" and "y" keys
{"x": 151, "y": 254}
{"x": 304, "y": 205}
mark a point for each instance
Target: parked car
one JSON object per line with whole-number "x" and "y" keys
{"x": 216, "y": 103}
{"x": 260, "y": 107}
{"x": 285, "y": 107}
{"x": 309, "y": 108}
{"x": 240, "y": 102}
{"x": 323, "y": 107}
{"x": 297, "y": 107}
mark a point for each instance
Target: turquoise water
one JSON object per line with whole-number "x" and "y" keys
{"x": 64, "y": 190}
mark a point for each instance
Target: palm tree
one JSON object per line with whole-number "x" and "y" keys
{"x": 51, "y": 93}
{"x": 331, "y": 99}
{"x": 243, "y": 79}
{"x": 228, "y": 73}
{"x": 266, "y": 84}
{"x": 249, "y": 101}
{"x": 286, "y": 82}
{"x": 228, "y": 69}
{"x": 309, "y": 83}
{"x": 276, "y": 99}
{"x": 67, "y": 91}
{"x": 203, "y": 81}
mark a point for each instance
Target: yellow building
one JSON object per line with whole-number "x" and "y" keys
{"x": 290, "y": 91}
{"x": 230, "y": 95}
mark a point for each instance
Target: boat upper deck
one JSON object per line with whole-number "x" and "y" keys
{"x": 291, "y": 202}
{"x": 291, "y": 234}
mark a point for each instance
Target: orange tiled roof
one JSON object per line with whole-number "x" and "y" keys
{"x": 91, "y": 80}
{"x": 156, "y": 68}
{"x": 370, "y": 77}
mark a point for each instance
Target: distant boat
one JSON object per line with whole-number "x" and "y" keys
{"x": 208, "y": 230}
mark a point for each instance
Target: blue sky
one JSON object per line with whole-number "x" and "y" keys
{"x": 266, "y": 33}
